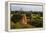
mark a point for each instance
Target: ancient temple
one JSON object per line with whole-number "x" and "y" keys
{"x": 23, "y": 19}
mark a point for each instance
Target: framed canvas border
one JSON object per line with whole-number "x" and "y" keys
{"x": 7, "y": 16}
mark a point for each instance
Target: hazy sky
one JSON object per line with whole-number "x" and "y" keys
{"x": 26, "y": 7}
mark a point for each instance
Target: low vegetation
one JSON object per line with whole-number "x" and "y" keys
{"x": 34, "y": 19}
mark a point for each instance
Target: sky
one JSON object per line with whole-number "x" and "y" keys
{"x": 26, "y": 7}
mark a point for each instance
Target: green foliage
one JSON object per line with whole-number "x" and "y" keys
{"x": 36, "y": 19}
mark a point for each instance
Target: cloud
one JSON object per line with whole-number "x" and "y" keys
{"x": 26, "y": 7}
